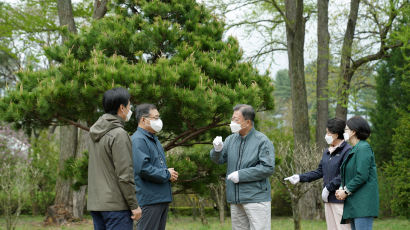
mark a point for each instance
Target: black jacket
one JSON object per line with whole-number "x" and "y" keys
{"x": 329, "y": 169}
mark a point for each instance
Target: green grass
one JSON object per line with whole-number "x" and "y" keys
{"x": 187, "y": 223}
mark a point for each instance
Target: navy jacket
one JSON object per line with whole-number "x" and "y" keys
{"x": 329, "y": 169}
{"x": 150, "y": 169}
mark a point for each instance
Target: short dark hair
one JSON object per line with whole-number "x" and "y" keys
{"x": 360, "y": 126}
{"x": 336, "y": 126}
{"x": 143, "y": 110}
{"x": 113, "y": 98}
{"x": 247, "y": 111}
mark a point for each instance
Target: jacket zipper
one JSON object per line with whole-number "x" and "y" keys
{"x": 238, "y": 164}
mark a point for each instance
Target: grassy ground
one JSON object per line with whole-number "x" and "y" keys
{"x": 187, "y": 223}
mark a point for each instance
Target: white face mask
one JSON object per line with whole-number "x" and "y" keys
{"x": 156, "y": 125}
{"x": 346, "y": 136}
{"x": 235, "y": 127}
{"x": 129, "y": 114}
{"x": 329, "y": 139}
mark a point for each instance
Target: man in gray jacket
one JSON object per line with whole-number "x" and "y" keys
{"x": 111, "y": 189}
{"x": 250, "y": 159}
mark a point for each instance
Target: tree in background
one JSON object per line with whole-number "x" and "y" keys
{"x": 200, "y": 176}
{"x": 322, "y": 65}
{"x": 391, "y": 133}
{"x": 17, "y": 176}
{"x": 295, "y": 160}
{"x": 390, "y": 99}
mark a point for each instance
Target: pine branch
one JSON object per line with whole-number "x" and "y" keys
{"x": 78, "y": 125}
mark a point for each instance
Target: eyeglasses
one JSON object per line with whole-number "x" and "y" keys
{"x": 156, "y": 118}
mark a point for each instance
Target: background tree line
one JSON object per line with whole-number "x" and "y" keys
{"x": 58, "y": 57}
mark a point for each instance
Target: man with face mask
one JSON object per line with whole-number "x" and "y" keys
{"x": 111, "y": 188}
{"x": 250, "y": 159}
{"x": 151, "y": 174}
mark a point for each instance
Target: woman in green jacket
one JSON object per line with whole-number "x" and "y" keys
{"x": 359, "y": 187}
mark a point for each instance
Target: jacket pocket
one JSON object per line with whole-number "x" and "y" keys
{"x": 263, "y": 185}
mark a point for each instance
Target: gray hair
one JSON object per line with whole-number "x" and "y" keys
{"x": 247, "y": 111}
{"x": 142, "y": 110}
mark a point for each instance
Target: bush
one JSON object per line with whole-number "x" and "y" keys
{"x": 397, "y": 171}
{"x": 44, "y": 158}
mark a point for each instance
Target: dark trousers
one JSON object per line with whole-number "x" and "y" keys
{"x": 154, "y": 217}
{"x": 112, "y": 220}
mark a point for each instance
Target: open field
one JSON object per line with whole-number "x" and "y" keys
{"x": 187, "y": 223}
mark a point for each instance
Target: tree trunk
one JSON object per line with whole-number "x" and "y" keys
{"x": 192, "y": 202}
{"x": 201, "y": 208}
{"x": 322, "y": 72}
{"x": 295, "y": 34}
{"x": 296, "y": 213}
{"x": 65, "y": 15}
{"x": 312, "y": 200}
{"x": 79, "y": 200}
{"x": 100, "y": 8}
{"x": 62, "y": 209}
{"x": 218, "y": 195}
{"x": 346, "y": 72}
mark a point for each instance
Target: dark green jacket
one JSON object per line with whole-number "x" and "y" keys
{"x": 111, "y": 184}
{"x": 359, "y": 175}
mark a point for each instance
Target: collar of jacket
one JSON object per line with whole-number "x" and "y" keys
{"x": 251, "y": 132}
{"x": 340, "y": 147}
{"x": 108, "y": 116}
{"x": 354, "y": 148}
{"x": 146, "y": 133}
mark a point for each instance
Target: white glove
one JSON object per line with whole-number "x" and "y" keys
{"x": 293, "y": 179}
{"x": 234, "y": 177}
{"x": 218, "y": 144}
{"x": 325, "y": 194}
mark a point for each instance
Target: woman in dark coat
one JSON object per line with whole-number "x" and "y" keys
{"x": 359, "y": 186}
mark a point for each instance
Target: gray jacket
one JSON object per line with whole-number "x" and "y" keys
{"x": 253, "y": 157}
{"x": 111, "y": 184}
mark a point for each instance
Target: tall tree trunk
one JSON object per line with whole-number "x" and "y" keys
{"x": 65, "y": 15}
{"x": 322, "y": 72}
{"x": 346, "y": 72}
{"x": 62, "y": 210}
{"x": 79, "y": 200}
{"x": 100, "y": 8}
{"x": 295, "y": 34}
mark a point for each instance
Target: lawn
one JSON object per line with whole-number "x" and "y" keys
{"x": 187, "y": 223}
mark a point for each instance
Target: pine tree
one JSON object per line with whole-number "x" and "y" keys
{"x": 170, "y": 53}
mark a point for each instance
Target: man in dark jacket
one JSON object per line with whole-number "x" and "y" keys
{"x": 329, "y": 170}
{"x": 152, "y": 176}
{"x": 111, "y": 187}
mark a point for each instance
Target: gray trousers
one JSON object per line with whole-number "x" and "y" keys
{"x": 154, "y": 217}
{"x": 251, "y": 216}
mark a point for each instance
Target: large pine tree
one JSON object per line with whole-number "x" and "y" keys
{"x": 170, "y": 53}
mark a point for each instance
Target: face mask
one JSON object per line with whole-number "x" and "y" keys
{"x": 128, "y": 115}
{"x": 235, "y": 127}
{"x": 346, "y": 136}
{"x": 329, "y": 139}
{"x": 156, "y": 125}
